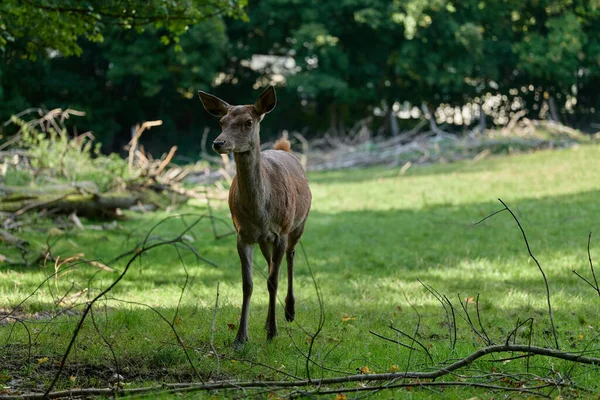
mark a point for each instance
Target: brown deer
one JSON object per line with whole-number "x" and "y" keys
{"x": 269, "y": 199}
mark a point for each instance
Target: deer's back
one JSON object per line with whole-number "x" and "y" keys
{"x": 286, "y": 206}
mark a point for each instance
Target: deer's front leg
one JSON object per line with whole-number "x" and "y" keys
{"x": 273, "y": 253}
{"x": 245, "y": 252}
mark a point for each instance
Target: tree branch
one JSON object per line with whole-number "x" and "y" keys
{"x": 463, "y": 362}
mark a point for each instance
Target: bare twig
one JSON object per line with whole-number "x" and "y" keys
{"x": 541, "y": 271}
{"x": 308, "y": 359}
{"x": 136, "y": 255}
{"x": 489, "y": 341}
{"x": 139, "y": 129}
{"x": 24, "y": 112}
{"x": 30, "y": 344}
{"x": 112, "y": 351}
{"x": 171, "y": 326}
{"x": 595, "y": 284}
{"x": 489, "y": 216}
{"x": 417, "y": 326}
{"x": 212, "y": 331}
{"x": 30, "y": 295}
{"x": 465, "y": 308}
{"x": 442, "y": 300}
{"x": 321, "y": 313}
{"x": 269, "y": 367}
{"x": 391, "y": 340}
{"x": 514, "y": 331}
{"x": 431, "y": 118}
{"x": 590, "y": 259}
{"x": 453, "y": 321}
{"x": 414, "y": 340}
{"x": 213, "y": 221}
{"x": 166, "y": 161}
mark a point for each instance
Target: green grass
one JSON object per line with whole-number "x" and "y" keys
{"x": 371, "y": 234}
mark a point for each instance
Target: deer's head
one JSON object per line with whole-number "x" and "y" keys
{"x": 240, "y": 125}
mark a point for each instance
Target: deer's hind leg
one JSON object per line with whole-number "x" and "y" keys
{"x": 290, "y": 301}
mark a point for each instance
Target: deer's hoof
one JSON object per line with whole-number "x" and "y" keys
{"x": 240, "y": 341}
{"x": 289, "y": 314}
{"x": 271, "y": 332}
{"x": 239, "y": 344}
{"x": 271, "y": 335}
{"x": 290, "y": 309}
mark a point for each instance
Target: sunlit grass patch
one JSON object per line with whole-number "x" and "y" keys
{"x": 371, "y": 234}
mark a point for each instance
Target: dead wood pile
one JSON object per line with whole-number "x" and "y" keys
{"x": 45, "y": 168}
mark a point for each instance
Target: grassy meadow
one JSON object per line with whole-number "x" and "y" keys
{"x": 372, "y": 233}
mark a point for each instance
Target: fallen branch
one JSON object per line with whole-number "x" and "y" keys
{"x": 527, "y": 390}
{"x": 273, "y": 385}
{"x": 11, "y": 239}
{"x": 431, "y": 118}
{"x": 139, "y": 129}
{"x": 87, "y": 204}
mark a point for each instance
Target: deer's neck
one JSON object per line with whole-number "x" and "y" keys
{"x": 251, "y": 180}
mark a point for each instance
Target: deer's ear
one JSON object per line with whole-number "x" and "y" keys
{"x": 266, "y": 102}
{"x": 214, "y": 105}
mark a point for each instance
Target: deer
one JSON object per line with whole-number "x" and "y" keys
{"x": 269, "y": 200}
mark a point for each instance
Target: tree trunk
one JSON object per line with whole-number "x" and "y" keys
{"x": 481, "y": 119}
{"x": 332, "y": 120}
{"x": 393, "y": 123}
{"x": 554, "y": 115}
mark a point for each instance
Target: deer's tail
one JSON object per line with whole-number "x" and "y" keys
{"x": 283, "y": 144}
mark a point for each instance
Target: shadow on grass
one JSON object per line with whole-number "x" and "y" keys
{"x": 359, "y": 175}
{"x": 584, "y": 155}
{"x": 359, "y": 253}
{"x": 435, "y": 236}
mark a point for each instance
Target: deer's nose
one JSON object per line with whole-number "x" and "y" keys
{"x": 217, "y": 144}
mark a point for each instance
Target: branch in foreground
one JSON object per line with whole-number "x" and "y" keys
{"x": 191, "y": 387}
{"x": 444, "y": 301}
{"x": 212, "y": 331}
{"x": 413, "y": 338}
{"x": 89, "y": 306}
{"x": 501, "y": 348}
{"x": 595, "y": 284}
{"x": 391, "y": 340}
{"x": 541, "y": 270}
{"x": 321, "y": 314}
{"x": 506, "y": 208}
{"x": 527, "y": 390}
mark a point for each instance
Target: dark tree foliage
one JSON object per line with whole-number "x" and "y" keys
{"x": 34, "y": 27}
{"x": 334, "y": 63}
{"x": 122, "y": 62}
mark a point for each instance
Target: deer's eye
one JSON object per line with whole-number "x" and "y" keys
{"x": 248, "y": 123}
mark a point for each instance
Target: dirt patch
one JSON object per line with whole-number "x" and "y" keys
{"x": 20, "y": 375}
